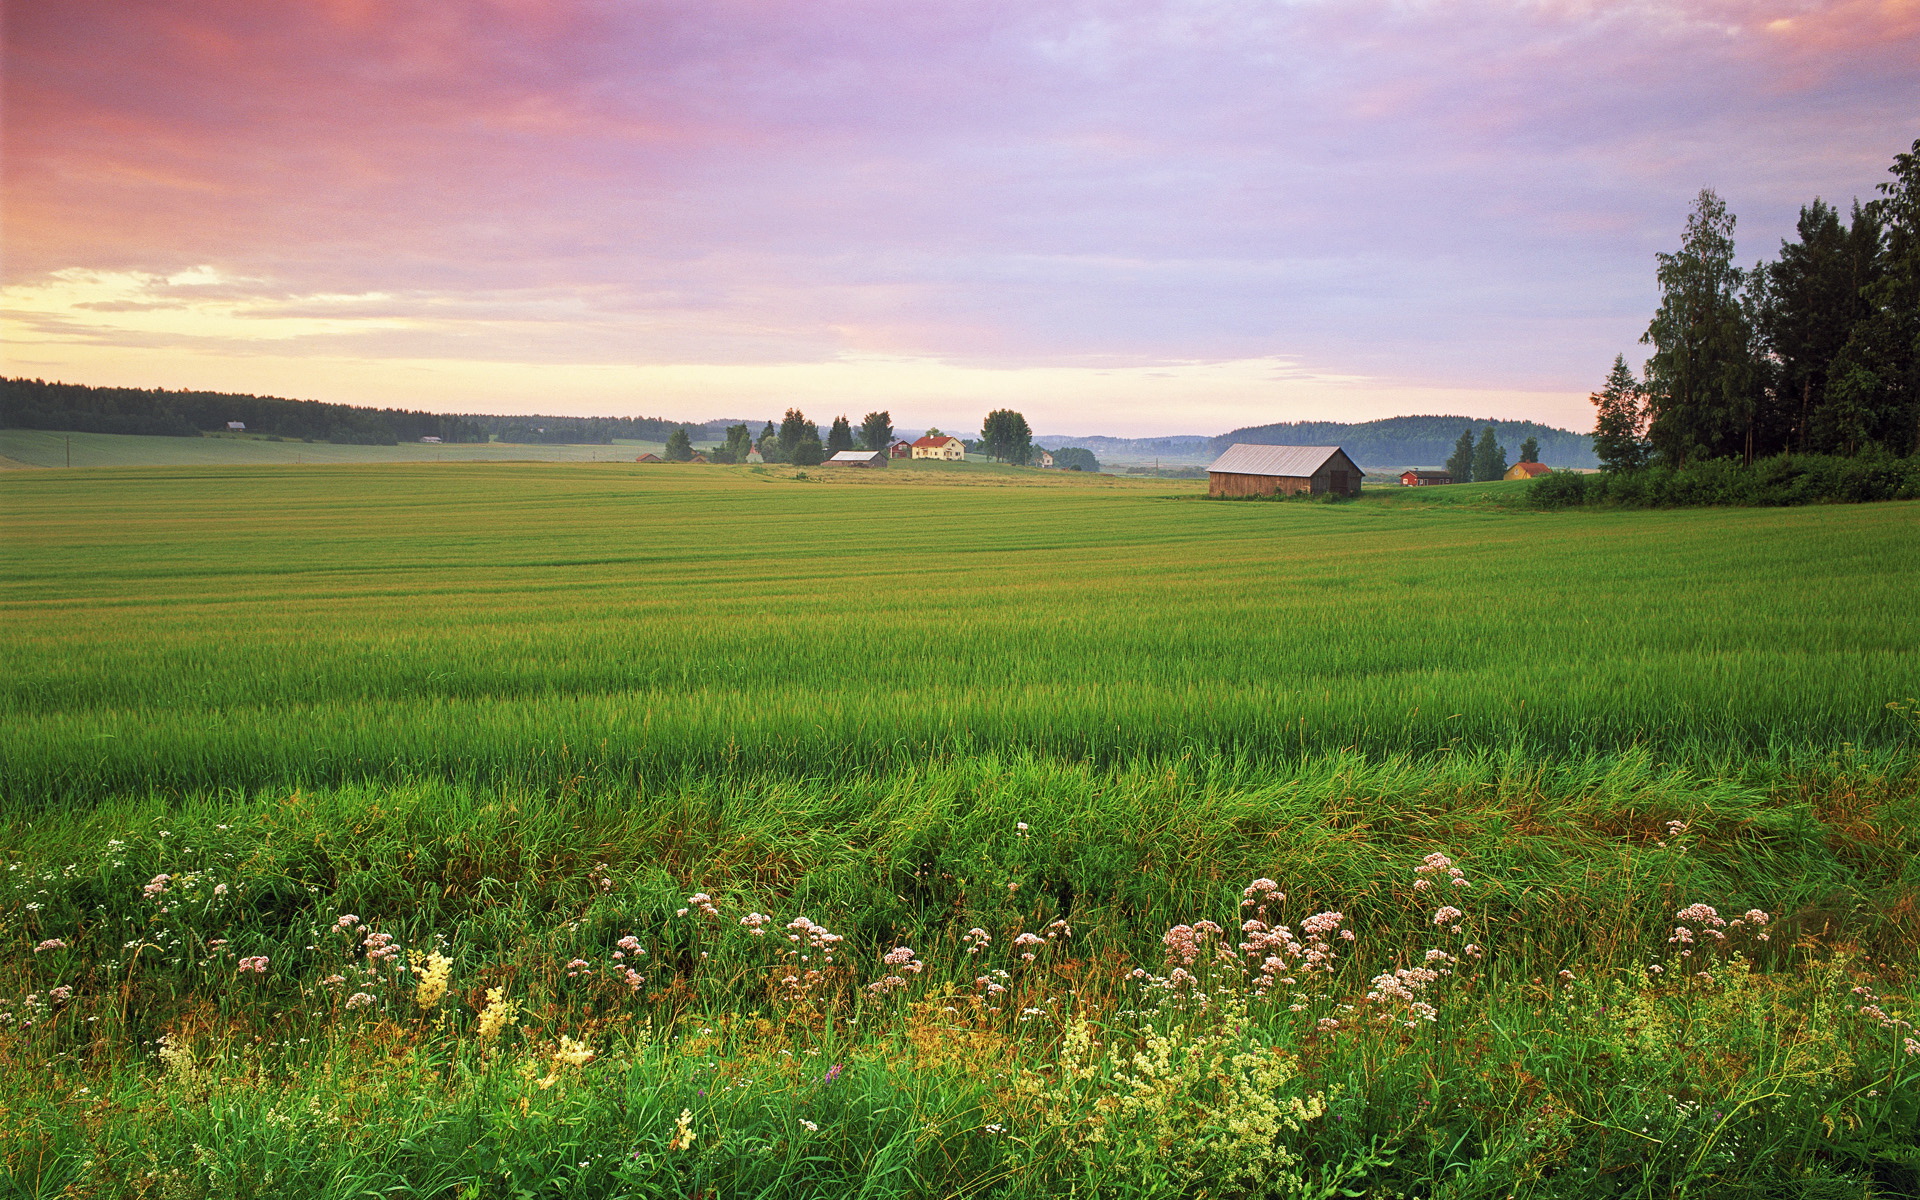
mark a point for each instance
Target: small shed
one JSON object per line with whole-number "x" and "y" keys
{"x": 430, "y": 440}
{"x": 901, "y": 448}
{"x": 649, "y": 457}
{"x": 236, "y": 426}
{"x": 1527, "y": 470}
{"x": 858, "y": 458}
{"x": 1247, "y": 470}
{"x": 1419, "y": 478}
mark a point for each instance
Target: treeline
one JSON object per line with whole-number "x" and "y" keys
{"x": 77, "y": 408}
{"x": 1816, "y": 352}
{"x": 1407, "y": 441}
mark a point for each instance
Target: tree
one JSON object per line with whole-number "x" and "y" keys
{"x": 1006, "y": 437}
{"x": 1530, "y": 450}
{"x": 1806, "y": 306}
{"x": 679, "y": 446}
{"x": 1620, "y": 425}
{"x": 769, "y": 443}
{"x": 1075, "y": 458}
{"x": 934, "y": 433}
{"x": 793, "y": 428}
{"x": 1874, "y": 383}
{"x": 876, "y": 430}
{"x": 840, "y": 437}
{"x": 1460, "y": 462}
{"x": 1700, "y": 377}
{"x": 808, "y": 452}
{"x": 1489, "y": 458}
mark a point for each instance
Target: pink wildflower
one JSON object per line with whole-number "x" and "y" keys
{"x": 1447, "y": 915}
{"x": 359, "y": 1000}
{"x": 158, "y": 887}
{"x": 50, "y": 944}
{"x": 257, "y": 964}
{"x": 61, "y": 994}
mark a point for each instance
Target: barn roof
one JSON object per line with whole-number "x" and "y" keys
{"x": 1293, "y": 462}
{"x": 852, "y": 456}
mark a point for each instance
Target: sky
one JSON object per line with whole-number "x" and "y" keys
{"x": 1129, "y": 218}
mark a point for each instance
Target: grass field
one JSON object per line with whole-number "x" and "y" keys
{"x": 38, "y": 448}
{"x": 606, "y": 737}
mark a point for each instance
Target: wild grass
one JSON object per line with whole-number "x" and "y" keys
{"x": 440, "y": 832}
{"x": 570, "y": 625}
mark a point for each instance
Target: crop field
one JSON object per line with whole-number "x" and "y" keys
{"x": 513, "y": 829}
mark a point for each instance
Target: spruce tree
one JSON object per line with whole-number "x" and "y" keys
{"x": 1620, "y": 425}
{"x": 840, "y": 436}
{"x": 1530, "y": 450}
{"x": 794, "y": 427}
{"x": 1460, "y": 462}
{"x": 876, "y": 430}
{"x": 1489, "y": 458}
{"x": 679, "y": 446}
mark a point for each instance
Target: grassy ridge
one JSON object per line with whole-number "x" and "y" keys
{"x": 469, "y": 623}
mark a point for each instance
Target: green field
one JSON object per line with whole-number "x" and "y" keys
{"x": 515, "y": 712}
{"x": 38, "y": 448}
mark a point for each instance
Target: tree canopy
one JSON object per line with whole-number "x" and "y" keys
{"x": 1006, "y": 436}
{"x": 876, "y": 430}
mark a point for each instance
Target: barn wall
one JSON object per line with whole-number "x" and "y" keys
{"x": 1224, "y": 483}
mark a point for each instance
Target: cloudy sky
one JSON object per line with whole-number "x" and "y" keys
{"x": 1125, "y": 217}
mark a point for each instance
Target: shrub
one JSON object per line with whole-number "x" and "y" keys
{"x": 1782, "y": 480}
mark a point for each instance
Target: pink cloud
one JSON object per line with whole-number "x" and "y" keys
{"x": 1442, "y": 192}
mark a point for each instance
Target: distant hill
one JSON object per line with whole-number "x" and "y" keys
{"x": 1416, "y": 441}
{"x": 77, "y": 408}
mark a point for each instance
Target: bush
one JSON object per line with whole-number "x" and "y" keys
{"x": 1785, "y": 479}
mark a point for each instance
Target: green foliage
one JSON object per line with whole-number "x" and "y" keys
{"x": 1460, "y": 462}
{"x": 679, "y": 446}
{"x": 1785, "y": 479}
{"x": 794, "y": 429}
{"x": 808, "y": 452}
{"x": 876, "y": 430}
{"x": 1699, "y": 378}
{"x": 1620, "y": 425}
{"x": 1530, "y": 450}
{"x": 1075, "y": 458}
{"x": 1489, "y": 458}
{"x": 840, "y": 436}
{"x": 38, "y": 404}
{"x": 1005, "y": 436}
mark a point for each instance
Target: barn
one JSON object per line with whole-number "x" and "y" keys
{"x": 1287, "y": 470}
{"x": 649, "y": 457}
{"x": 859, "y": 458}
{"x": 1420, "y": 478}
{"x": 1527, "y": 470}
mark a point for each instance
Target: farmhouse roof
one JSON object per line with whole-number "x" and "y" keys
{"x": 930, "y": 442}
{"x": 1532, "y": 468}
{"x": 1293, "y": 462}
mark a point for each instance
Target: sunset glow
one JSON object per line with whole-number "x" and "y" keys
{"x": 1127, "y": 218}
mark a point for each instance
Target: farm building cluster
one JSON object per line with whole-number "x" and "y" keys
{"x": 1252, "y": 470}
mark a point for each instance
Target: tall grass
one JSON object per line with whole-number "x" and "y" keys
{"x": 186, "y": 631}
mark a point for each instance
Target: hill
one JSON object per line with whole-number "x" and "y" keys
{"x": 1409, "y": 441}
{"x": 78, "y": 408}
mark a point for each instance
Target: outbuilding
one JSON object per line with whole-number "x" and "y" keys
{"x": 901, "y": 448}
{"x": 1246, "y": 470}
{"x": 1419, "y": 478}
{"x": 649, "y": 457}
{"x": 1527, "y": 470}
{"x": 858, "y": 458}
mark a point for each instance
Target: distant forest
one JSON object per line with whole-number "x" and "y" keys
{"x": 1415, "y": 441}
{"x": 77, "y": 408}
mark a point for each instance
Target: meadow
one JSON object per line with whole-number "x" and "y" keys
{"x": 591, "y": 829}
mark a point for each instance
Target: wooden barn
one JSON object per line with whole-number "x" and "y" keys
{"x": 858, "y": 458}
{"x": 1286, "y": 470}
